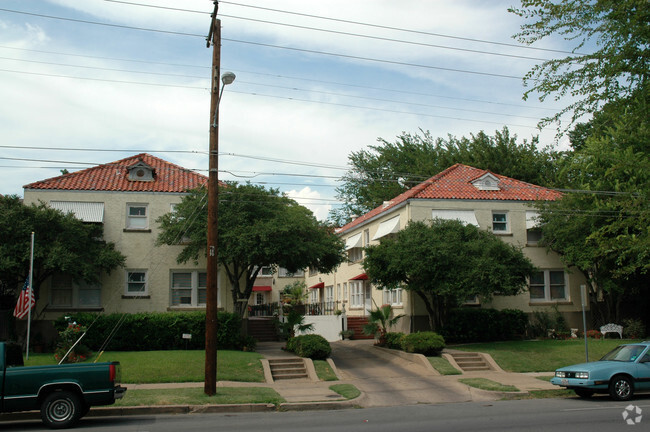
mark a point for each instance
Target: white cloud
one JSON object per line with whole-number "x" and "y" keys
{"x": 312, "y": 200}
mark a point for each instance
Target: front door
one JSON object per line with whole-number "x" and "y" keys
{"x": 368, "y": 298}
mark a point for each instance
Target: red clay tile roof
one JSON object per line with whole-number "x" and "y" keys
{"x": 456, "y": 183}
{"x": 114, "y": 176}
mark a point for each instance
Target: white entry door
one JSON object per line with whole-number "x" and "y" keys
{"x": 368, "y": 298}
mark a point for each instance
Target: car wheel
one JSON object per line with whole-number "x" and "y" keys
{"x": 621, "y": 388}
{"x": 584, "y": 393}
{"x": 61, "y": 409}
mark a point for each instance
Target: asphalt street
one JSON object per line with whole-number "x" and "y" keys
{"x": 556, "y": 415}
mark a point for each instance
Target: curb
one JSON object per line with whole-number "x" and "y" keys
{"x": 193, "y": 409}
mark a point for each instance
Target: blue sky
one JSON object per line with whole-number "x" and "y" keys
{"x": 303, "y": 100}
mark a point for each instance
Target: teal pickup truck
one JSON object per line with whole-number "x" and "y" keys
{"x": 63, "y": 393}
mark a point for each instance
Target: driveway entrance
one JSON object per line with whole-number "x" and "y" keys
{"x": 388, "y": 381}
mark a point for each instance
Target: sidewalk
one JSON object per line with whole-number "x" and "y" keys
{"x": 305, "y": 394}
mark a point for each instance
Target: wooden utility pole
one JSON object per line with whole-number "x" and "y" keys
{"x": 210, "y": 384}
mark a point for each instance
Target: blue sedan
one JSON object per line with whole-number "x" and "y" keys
{"x": 620, "y": 373}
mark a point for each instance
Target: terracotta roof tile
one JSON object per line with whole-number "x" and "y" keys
{"x": 456, "y": 183}
{"x": 114, "y": 176}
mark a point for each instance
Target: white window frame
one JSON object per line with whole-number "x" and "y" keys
{"x": 505, "y": 223}
{"x": 355, "y": 255}
{"x": 393, "y": 296}
{"x": 265, "y": 271}
{"x": 75, "y": 292}
{"x": 195, "y": 288}
{"x": 357, "y": 294}
{"x": 130, "y": 219}
{"x": 127, "y": 280}
{"x": 548, "y": 298}
{"x": 345, "y": 291}
{"x": 283, "y": 272}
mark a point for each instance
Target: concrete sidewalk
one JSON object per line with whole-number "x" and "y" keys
{"x": 307, "y": 394}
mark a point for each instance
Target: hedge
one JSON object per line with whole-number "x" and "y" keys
{"x": 315, "y": 347}
{"x": 427, "y": 343}
{"x": 155, "y": 331}
{"x": 484, "y": 325}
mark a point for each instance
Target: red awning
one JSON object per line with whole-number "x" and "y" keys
{"x": 318, "y": 285}
{"x": 362, "y": 276}
{"x": 262, "y": 288}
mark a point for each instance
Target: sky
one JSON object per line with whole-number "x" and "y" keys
{"x": 89, "y": 82}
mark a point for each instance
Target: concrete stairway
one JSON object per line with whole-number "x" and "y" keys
{"x": 356, "y": 324}
{"x": 470, "y": 361}
{"x": 289, "y": 368}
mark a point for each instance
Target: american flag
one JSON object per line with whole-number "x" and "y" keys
{"x": 26, "y": 301}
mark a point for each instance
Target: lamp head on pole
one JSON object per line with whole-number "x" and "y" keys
{"x": 227, "y": 78}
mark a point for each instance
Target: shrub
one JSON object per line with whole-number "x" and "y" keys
{"x": 312, "y": 346}
{"x": 594, "y": 334}
{"x": 155, "y": 331}
{"x": 427, "y": 343}
{"x": 484, "y": 325}
{"x": 394, "y": 340}
{"x": 634, "y": 329}
{"x": 67, "y": 338}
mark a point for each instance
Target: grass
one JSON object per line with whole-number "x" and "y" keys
{"x": 146, "y": 367}
{"x": 348, "y": 391}
{"x": 486, "y": 384}
{"x": 540, "y": 394}
{"x": 443, "y": 366}
{"x": 543, "y": 355}
{"x": 195, "y": 396}
{"x": 324, "y": 371}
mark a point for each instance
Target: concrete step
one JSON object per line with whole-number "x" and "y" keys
{"x": 288, "y": 368}
{"x": 471, "y": 362}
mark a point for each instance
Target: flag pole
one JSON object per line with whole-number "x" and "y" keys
{"x": 29, "y": 298}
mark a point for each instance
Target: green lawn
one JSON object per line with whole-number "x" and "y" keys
{"x": 146, "y": 367}
{"x": 443, "y": 366}
{"x": 543, "y": 355}
{"x": 324, "y": 371}
{"x": 486, "y": 384}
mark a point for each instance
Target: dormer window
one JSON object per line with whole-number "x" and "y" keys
{"x": 487, "y": 182}
{"x": 141, "y": 172}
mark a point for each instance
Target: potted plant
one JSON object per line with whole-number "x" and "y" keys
{"x": 347, "y": 334}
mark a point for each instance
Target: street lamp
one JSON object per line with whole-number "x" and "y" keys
{"x": 211, "y": 300}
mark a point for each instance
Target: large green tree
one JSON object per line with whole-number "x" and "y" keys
{"x": 384, "y": 171}
{"x": 610, "y": 56}
{"x": 63, "y": 243}
{"x": 446, "y": 263}
{"x": 600, "y": 226}
{"x": 257, "y": 227}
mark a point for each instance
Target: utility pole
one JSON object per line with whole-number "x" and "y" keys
{"x": 210, "y": 384}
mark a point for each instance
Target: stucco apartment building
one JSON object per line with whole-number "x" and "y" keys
{"x": 126, "y": 197}
{"x": 496, "y": 203}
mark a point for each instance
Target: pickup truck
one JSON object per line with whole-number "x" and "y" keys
{"x": 63, "y": 393}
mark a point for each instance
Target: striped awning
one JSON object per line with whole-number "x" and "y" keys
{"x": 262, "y": 288}
{"x": 361, "y": 276}
{"x": 85, "y": 211}
{"x": 318, "y": 285}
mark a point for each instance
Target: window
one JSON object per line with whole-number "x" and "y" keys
{"x": 266, "y": 271}
{"x": 329, "y": 298}
{"x": 356, "y": 294}
{"x": 533, "y": 236}
{"x": 188, "y": 288}
{"x": 136, "y": 283}
{"x": 500, "y": 222}
{"x": 260, "y": 298}
{"x": 69, "y": 294}
{"x": 314, "y": 297}
{"x": 366, "y": 237}
{"x": 393, "y": 296}
{"x": 345, "y": 291}
{"x": 355, "y": 254}
{"x": 548, "y": 285}
{"x": 136, "y": 216}
{"x": 283, "y": 272}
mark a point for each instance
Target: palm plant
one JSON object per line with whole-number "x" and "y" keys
{"x": 380, "y": 322}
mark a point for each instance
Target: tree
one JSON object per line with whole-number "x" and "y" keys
{"x": 602, "y": 227}
{"x": 380, "y": 322}
{"x": 446, "y": 263}
{"x": 257, "y": 227}
{"x": 386, "y": 170}
{"x": 63, "y": 244}
{"x": 615, "y": 35}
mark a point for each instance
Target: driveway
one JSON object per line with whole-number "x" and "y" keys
{"x": 388, "y": 380}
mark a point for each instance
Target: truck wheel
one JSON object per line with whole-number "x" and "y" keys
{"x": 621, "y": 388}
{"x": 61, "y": 409}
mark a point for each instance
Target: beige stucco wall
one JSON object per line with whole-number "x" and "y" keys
{"x": 139, "y": 248}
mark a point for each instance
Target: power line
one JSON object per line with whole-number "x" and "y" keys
{"x": 393, "y": 90}
{"x": 325, "y": 53}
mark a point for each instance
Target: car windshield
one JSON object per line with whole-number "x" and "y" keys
{"x": 624, "y": 353}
